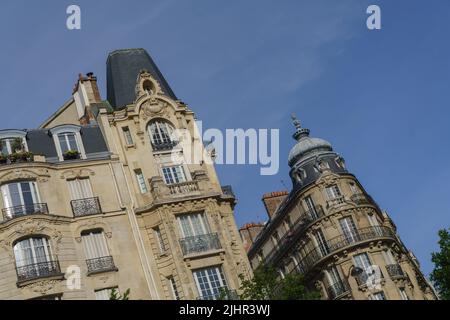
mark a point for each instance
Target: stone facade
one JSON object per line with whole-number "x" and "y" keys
{"x": 333, "y": 233}
{"x": 122, "y": 210}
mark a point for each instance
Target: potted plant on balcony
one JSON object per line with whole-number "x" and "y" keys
{"x": 71, "y": 154}
{"x": 22, "y": 156}
{"x": 17, "y": 145}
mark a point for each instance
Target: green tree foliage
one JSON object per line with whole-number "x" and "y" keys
{"x": 115, "y": 295}
{"x": 441, "y": 273}
{"x": 267, "y": 285}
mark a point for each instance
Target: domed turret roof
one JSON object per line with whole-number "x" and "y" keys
{"x": 305, "y": 144}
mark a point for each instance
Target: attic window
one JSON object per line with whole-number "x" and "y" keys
{"x": 148, "y": 87}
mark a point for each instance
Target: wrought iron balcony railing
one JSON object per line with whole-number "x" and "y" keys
{"x": 308, "y": 261}
{"x": 164, "y": 145}
{"x": 101, "y": 264}
{"x": 337, "y": 290}
{"x": 336, "y": 201}
{"x": 360, "y": 199}
{"x": 200, "y": 243}
{"x": 395, "y": 271}
{"x": 24, "y": 210}
{"x": 223, "y": 294}
{"x": 38, "y": 270}
{"x": 183, "y": 187}
{"x": 85, "y": 207}
{"x": 294, "y": 233}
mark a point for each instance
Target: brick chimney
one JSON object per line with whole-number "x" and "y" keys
{"x": 249, "y": 232}
{"x": 273, "y": 200}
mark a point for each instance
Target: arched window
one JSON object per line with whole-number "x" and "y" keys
{"x": 12, "y": 141}
{"x": 34, "y": 259}
{"x": 32, "y": 251}
{"x": 68, "y": 142}
{"x": 21, "y": 198}
{"x": 162, "y": 135}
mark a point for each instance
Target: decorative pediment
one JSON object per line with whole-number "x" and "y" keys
{"x": 77, "y": 174}
{"x": 146, "y": 85}
{"x": 40, "y": 175}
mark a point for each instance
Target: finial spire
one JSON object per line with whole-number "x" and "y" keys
{"x": 295, "y": 121}
{"x": 300, "y": 132}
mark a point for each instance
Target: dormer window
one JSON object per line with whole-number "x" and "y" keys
{"x": 162, "y": 135}
{"x": 12, "y": 141}
{"x": 68, "y": 142}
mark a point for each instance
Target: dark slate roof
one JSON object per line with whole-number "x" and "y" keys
{"x": 122, "y": 70}
{"x": 39, "y": 141}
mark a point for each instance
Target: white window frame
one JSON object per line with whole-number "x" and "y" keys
{"x": 159, "y": 239}
{"x": 310, "y": 206}
{"x": 173, "y": 287}
{"x": 333, "y": 192}
{"x": 349, "y": 230}
{"x": 403, "y": 293}
{"x": 172, "y": 175}
{"x": 17, "y": 249}
{"x": 105, "y": 293}
{"x": 321, "y": 242}
{"x": 140, "y": 179}
{"x": 11, "y": 135}
{"x": 129, "y": 141}
{"x": 204, "y": 224}
{"x": 375, "y": 296}
{"x": 218, "y": 270}
{"x": 6, "y": 195}
{"x": 94, "y": 244}
{"x": 159, "y": 123}
{"x": 64, "y": 129}
{"x": 80, "y": 188}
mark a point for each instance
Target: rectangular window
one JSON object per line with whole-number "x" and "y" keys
{"x": 80, "y": 189}
{"x": 11, "y": 145}
{"x": 389, "y": 257}
{"x": 174, "y": 289}
{"x": 159, "y": 239}
{"x": 141, "y": 181}
{"x": 20, "y": 198}
{"x": 321, "y": 243}
{"x": 333, "y": 192}
{"x": 403, "y": 294}
{"x": 362, "y": 260}
{"x": 349, "y": 229}
{"x": 68, "y": 142}
{"x": 353, "y": 188}
{"x": 174, "y": 174}
{"x": 334, "y": 276}
{"x": 127, "y": 136}
{"x": 310, "y": 207}
{"x": 104, "y": 294}
{"x": 275, "y": 238}
{"x": 378, "y": 296}
{"x": 94, "y": 244}
{"x": 210, "y": 282}
{"x": 194, "y": 224}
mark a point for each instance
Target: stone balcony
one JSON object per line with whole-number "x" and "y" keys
{"x": 199, "y": 185}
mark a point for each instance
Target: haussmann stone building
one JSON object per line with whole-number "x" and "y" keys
{"x": 331, "y": 231}
{"x": 106, "y": 189}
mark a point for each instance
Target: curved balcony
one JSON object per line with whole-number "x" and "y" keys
{"x": 85, "y": 207}
{"x": 24, "y": 210}
{"x": 200, "y": 243}
{"x": 338, "y": 290}
{"x": 295, "y": 232}
{"x": 314, "y": 256}
{"x": 38, "y": 270}
{"x": 395, "y": 271}
{"x": 101, "y": 264}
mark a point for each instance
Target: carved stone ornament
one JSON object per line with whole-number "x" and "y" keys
{"x": 42, "y": 287}
{"x": 40, "y": 175}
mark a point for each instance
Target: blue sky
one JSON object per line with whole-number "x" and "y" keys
{"x": 380, "y": 97}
